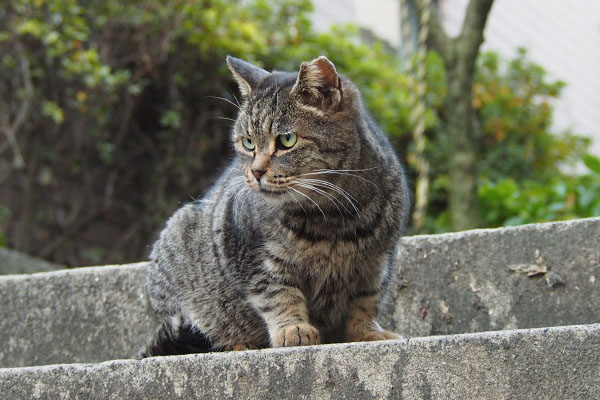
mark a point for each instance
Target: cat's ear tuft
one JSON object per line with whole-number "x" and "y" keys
{"x": 318, "y": 83}
{"x": 246, "y": 75}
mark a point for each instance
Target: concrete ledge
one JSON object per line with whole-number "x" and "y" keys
{"x": 477, "y": 281}
{"x": 80, "y": 315}
{"x": 14, "y": 262}
{"x": 452, "y": 283}
{"x": 555, "y": 363}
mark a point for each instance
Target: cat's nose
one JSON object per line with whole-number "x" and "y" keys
{"x": 257, "y": 172}
{"x": 260, "y": 165}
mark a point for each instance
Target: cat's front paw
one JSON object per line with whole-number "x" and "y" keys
{"x": 296, "y": 335}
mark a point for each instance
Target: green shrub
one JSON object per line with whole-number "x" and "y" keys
{"x": 509, "y": 202}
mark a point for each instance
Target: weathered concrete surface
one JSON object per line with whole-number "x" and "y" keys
{"x": 453, "y": 283}
{"x": 79, "y": 315}
{"x": 14, "y": 262}
{"x": 466, "y": 282}
{"x": 556, "y": 363}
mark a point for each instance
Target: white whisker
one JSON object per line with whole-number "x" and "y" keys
{"x": 236, "y": 100}
{"x": 331, "y": 186}
{"x": 296, "y": 200}
{"x": 225, "y": 118}
{"x": 239, "y": 198}
{"x": 349, "y": 170}
{"x": 326, "y": 195}
{"x": 308, "y": 197}
{"x": 229, "y": 101}
{"x": 337, "y": 189}
{"x": 345, "y": 172}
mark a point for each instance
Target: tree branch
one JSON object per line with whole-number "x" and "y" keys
{"x": 471, "y": 34}
{"x": 26, "y": 104}
{"x": 439, "y": 39}
{"x": 11, "y": 130}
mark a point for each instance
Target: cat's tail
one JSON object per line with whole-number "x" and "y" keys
{"x": 172, "y": 340}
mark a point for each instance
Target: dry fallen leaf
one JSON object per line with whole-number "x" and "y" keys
{"x": 529, "y": 269}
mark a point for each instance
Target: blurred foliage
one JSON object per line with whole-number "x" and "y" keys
{"x": 514, "y": 107}
{"x": 508, "y": 202}
{"x": 521, "y": 157}
{"x": 122, "y": 124}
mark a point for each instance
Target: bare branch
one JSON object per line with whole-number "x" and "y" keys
{"x": 471, "y": 35}
{"x": 18, "y": 161}
{"x": 439, "y": 39}
{"x": 9, "y": 129}
{"x": 28, "y": 93}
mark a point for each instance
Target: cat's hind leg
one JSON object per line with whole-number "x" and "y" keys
{"x": 243, "y": 347}
{"x": 361, "y": 325}
{"x": 176, "y": 338}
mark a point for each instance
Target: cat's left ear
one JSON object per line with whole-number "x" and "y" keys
{"x": 247, "y": 75}
{"x": 318, "y": 84}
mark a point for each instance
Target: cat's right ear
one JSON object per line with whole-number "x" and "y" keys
{"x": 318, "y": 84}
{"x": 246, "y": 75}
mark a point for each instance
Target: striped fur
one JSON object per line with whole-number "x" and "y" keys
{"x": 303, "y": 253}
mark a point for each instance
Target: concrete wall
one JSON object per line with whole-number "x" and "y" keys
{"x": 476, "y": 280}
{"x": 555, "y": 363}
{"x": 80, "y": 315}
{"x": 453, "y": 283}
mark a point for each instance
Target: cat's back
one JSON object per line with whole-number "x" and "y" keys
{"x": 187, "y": 248}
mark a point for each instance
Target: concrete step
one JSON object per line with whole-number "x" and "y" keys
{"x": 556, "y": 363}
{"x": 529, "y": 276}
{"x": 540, "y": 275}
{"x": 80, "y": 315}
{"x": 448, "y": 284}
{"x": 14, "y": 262}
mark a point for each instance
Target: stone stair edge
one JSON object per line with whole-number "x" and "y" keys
{"x": 409, "y": 240}
{"x": 503, "y": 229}
{"x": 422, "y": 341}
{"x": 99, "y": 269}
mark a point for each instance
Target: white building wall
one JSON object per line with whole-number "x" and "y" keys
{"x": 382, "y": 17}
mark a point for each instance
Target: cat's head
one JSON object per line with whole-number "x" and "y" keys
{"x": 293, "y": 126}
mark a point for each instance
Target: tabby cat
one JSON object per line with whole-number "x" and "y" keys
{"x": 295, "y": 243}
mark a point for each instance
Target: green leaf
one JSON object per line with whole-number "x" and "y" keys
{"x": 170, "y": 119}
{"x": 593, "y": 163}
{"x": 513, "y": 221}
{"x": 106, "y": 151}
{"x": 32, "y": 27}
{"x": 53, "y": 110}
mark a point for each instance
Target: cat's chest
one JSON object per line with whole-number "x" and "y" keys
{"x": 325, "y": 252}
{"x": 329, "y": 275}
{"x": 329, "y": 272}
{"x": 327, "y": 255}
{"x": 321, "y": 264}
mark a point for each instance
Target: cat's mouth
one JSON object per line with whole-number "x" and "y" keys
{"x": 269, "y": 187}
{"x": 270, "y": 192}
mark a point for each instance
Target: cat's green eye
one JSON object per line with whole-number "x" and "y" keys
{"x": 248, "y": 143}
{"x": 288, "y": 140}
